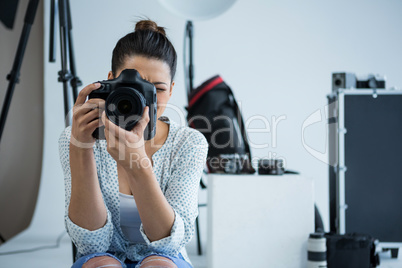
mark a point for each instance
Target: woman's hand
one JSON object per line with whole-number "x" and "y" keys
{"x": 86, "y": 118}
{"x": 127, "y": 147}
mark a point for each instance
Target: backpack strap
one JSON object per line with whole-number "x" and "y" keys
{"x": 242, "y": 129}
{"x": 202, "y": 89}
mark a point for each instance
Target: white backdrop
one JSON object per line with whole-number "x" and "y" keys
{"x": 277, "y": 56}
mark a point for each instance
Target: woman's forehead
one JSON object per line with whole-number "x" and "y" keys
{"x": 153, "y": 70}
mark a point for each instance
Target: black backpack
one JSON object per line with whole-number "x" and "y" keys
{"x": 213, "y": 110}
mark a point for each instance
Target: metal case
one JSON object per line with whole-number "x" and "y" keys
{"x": 365, "y": 157}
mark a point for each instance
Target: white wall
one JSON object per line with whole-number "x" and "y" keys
{"x": 277, "y": 56}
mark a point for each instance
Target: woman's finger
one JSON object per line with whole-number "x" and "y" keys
{"x": 100, "y": 103}
{"x": 112, "y": 128}
{"x": 144, "y": 119}
{"x": 111, "y": 140}
{"x": 105, "y": 120}
{"x": 80, "y": 110}
{"x": 82, "y": 96}
{"x": 91, "y": 115}
{"x": 94, "y": 124}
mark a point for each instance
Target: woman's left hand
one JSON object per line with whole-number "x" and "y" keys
{"x": 127, "y": 147}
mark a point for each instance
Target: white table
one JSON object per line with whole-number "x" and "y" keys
{"x": 259, "y": 221}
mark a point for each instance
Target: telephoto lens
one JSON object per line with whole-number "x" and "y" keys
{"x": 317, "y": 251}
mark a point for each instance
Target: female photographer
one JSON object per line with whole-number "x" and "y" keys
{"x": 132, "y": 202}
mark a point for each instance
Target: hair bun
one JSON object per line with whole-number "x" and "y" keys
{"x": 149, "y": 25}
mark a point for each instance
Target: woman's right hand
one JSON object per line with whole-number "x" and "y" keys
{"x": 86, "y": 118}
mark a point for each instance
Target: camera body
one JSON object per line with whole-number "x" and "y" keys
{"x": 350, "y": 80}
{"x": 271, "y": 167}
{"x": 229, "y": 163}
{"x": 125, "y": 99}
{"x": 371, "y": 81}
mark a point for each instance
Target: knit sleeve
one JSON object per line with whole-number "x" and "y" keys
{"x": 86, "y": 241}
{"x": 182, "y": 193}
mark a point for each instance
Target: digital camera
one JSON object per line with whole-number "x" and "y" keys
{"x": 350, "y": 80}
{"x": 125, "y": 99}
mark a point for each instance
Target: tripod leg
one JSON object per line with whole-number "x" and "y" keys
{"x": 197, "y": 226}
{"x": 75, "y": 81}
{"x": 64, "y": 74}
{"x": 52, "y": 57}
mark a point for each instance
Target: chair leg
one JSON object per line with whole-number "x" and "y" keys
{"x": 197, "y": 227}
{"x": 74, "y": 251}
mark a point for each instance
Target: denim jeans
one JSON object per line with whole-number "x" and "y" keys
{"x": 179, "y": 261}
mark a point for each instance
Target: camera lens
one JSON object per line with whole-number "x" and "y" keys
{"x": 124, "y": 106}
{"x": 317, "y": 251}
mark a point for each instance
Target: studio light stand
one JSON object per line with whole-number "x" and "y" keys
{"x": 189, "y": 81}
{"x": 68, "y": 70}
{"x": 67, "y": 53}
{"x": 189, "y": 71}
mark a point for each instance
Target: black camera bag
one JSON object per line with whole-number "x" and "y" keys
{"x": 212, "y": 109}
{"x": 351, "y": 251}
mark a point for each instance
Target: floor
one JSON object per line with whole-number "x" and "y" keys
{"x": 61, "y": 256}
{"x": 45, "y": 232}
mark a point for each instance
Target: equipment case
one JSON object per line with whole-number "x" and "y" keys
{"x": 365, "y": 157}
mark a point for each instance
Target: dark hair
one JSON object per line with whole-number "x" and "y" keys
{"x": 148, "y": 40}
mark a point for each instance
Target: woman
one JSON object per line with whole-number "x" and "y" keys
{"x": 131, "y": 202}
